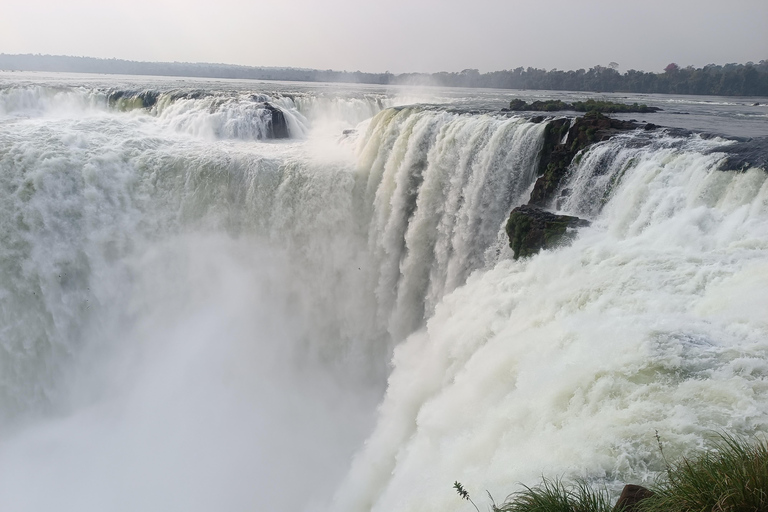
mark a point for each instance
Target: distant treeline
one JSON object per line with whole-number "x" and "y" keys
{"x": 748, "y": 79}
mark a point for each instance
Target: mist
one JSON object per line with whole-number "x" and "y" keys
{"x": 200, "y": 395}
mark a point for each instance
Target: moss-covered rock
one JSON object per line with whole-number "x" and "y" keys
{"x": 555, "y": 156}
{"x": 590, "y": 105}
{"x": 531, "y": 229}
{"x": 517, "y": 105}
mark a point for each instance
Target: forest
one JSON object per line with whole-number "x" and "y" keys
{"x": 733, "y": 79}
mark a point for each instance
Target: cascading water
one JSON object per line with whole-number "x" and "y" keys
{"x": 192, "y": 316}
{"x": 440, "y": 186}
{"x": 568, "y": 363}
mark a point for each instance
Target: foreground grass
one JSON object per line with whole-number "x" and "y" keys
{"x": 556, "y": 496}
{"x": 732, "y": 477}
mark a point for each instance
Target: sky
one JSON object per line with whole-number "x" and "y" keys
{"x": 395, "y": 35}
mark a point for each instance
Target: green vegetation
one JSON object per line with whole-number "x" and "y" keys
{"x": 464, "y": 494}
{"x": 556, "y": 496}
{"x": 539, "y": 106}
{"x": 610, "y": 107}
{"x": 750, "y": 79}
{"x": 531, "y": 229}
{"x": 591, "y": 105}
{"x": 732, "y": 477}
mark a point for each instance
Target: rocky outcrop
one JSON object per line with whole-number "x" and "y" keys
{"x": 531, "y": 229}
{"x": 556, "y": 157}
{"x": 278, "y": 127}
{"x": 630, "y": 497}
{"x": 126, "y": 100}
{"x": 745, "y": 154}
{"x": 590, "y": 105}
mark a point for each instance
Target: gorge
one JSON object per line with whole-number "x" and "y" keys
{"x": 197, "y": 312}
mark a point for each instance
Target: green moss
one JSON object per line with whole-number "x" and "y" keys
{"x": 590, "y": 105}
{"x": 531, "y": 229}
{"x": 518, "y": 104}
{"x": 518, "y": 227}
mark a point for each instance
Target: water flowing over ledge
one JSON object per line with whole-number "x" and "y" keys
{"x": 567, "y": 363}
{"x": 185, "y": 296}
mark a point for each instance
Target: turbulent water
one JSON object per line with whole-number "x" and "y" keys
{"x": 196, "y": 317}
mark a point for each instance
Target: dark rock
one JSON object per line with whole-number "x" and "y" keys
{"x": 195, "y": 95}
{"x": 631, "y": 495}
{"x": 650, "y": 126}
{"x": 756, "y": 104}
{"x": 556, "y": 157}
{"x": 590, "y": 105}
{"x": 549, "y": 106}
{"x": 114, "y": 96}
{"x": 552, "y": 160}
{"x": 149, "y": 98}
{"x": 531, "y": 229}
{"x": 188, "y": 95}
{"x": 278, "y": 127}
{"x": 518, "y": 104}
{"x": 349, "y": 132}
{"x": 744, "y": 154}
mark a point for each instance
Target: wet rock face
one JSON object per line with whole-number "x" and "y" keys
{"x": 745, "y": 154}
{"x": 531, "y": 229}
{"x": 278, "y": 128}
{"x": 557, "y": 156}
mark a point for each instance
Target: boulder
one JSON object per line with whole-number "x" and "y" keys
{"x": 149, "y": 98}
{"x": 590, "y": 105}
{"x": 744, "y": 154}
{"x": 631, "y": 495}
{"x": 531, "y": 229}
{"x": 278, "y": 127}
{"x": 518, "y": 105}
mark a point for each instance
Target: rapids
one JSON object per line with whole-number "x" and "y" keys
{"x": 193, "y": 316}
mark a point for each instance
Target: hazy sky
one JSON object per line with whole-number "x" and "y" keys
{"x": 395, "y": 35}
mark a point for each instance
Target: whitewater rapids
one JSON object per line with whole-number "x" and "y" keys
{"x": 194, "y": 317}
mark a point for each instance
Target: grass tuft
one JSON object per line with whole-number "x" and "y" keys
{"x": 733, "y": 477}
{"x": 556, "y": 496}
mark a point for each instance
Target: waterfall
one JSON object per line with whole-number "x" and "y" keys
{"x": 441, "y": 186}
{"x": 569, "y": 362}
{"x": 196, "y": 315}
